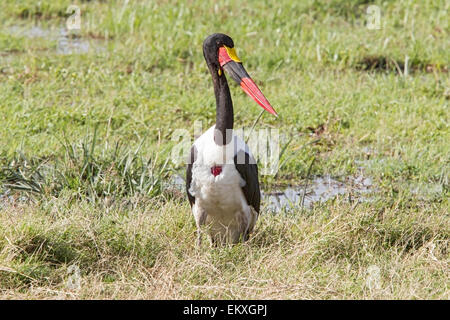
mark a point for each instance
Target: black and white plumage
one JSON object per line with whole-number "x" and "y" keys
{"x": 222, "y": 176}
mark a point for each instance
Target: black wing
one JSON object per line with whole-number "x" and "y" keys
{"x": 247, "y": 168}
{"x": 191, "y": 159}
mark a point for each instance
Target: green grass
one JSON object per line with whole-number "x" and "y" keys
{"x": 85, "y": 138}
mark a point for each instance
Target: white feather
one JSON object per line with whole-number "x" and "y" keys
{"x": 220, "y": 197}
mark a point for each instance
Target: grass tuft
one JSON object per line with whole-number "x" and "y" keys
{"x": 87, "y": 173}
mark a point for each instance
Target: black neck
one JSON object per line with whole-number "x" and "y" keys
{"x": 224, "y": 105}
{"x": 224, "y": 110}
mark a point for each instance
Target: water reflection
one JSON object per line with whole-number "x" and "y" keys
{"x": 67, "y": 42}
{"x": 320, "y": 189}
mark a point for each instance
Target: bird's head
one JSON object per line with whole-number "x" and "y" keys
{"x": 220, "y": 55}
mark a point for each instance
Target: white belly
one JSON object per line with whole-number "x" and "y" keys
{"x": 219, "y": 199}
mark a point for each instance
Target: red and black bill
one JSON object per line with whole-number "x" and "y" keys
{"x": 233, "y": 66}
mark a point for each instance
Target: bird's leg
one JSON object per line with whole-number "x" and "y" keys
{"x": 243, "y": 222}
{"x": 199, "y": 238}
{"x": 254, "y": 217}
{"x": 200, "y": 218}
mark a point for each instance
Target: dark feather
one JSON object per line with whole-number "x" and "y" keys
{"x": 192, "y": 158}
{"x": 248, "y": 169}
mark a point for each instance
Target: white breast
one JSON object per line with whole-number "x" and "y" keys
{"x": 220, "y": 195}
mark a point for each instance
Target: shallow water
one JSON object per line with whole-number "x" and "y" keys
{"x": 68, "y": 42}
{"x": 320, "y": 189}
{"x": 6, "y": 199}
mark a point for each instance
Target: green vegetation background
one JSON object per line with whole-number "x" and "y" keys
{"x": 85, "y": 138}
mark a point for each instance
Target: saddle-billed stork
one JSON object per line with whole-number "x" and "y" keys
{"x": 222, "y": 176}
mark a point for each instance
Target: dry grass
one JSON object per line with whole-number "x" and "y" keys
{"x": 146, "y": 251}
